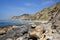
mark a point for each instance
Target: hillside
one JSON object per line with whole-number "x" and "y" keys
{"x": 45, "y": 14}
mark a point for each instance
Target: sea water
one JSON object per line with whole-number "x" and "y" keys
{"x": 4, "y": 23}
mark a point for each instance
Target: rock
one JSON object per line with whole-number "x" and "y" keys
{"x": 58, "y": 29}
{"x": 20, "y": 38}
{"x": 14, "y": 32}
{"x": 54, "y": 31}
{"x": 33, "y": 26}
{"x": 33, "y": 33}
{"x": 9, "y": 39}
{"x": 2, "y": 32}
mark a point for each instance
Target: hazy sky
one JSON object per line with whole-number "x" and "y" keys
{"x": 9, "y": 8}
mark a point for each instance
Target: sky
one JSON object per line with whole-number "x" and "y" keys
{"x": 10, "y": 8}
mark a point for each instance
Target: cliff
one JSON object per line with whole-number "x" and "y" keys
{"x": 45, "y": 14}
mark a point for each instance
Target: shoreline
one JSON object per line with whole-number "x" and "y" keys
{"x": 29, "y": 31}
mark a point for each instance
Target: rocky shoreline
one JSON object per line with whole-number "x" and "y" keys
{"x": 36, "y": 31}
{"x": 48, "y": 30}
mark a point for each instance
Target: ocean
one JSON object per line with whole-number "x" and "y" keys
{"x": 4, "y": 23}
